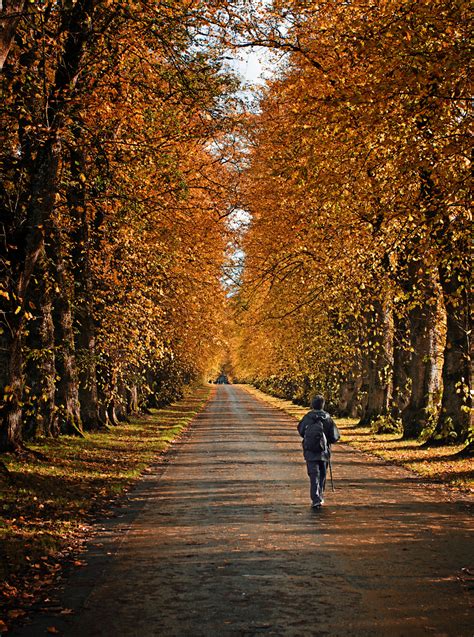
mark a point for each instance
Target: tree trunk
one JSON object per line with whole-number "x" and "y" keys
{"x": 378, "y": 363}
{"x": 354, "y": 408}
{"x": 455, "y": 420}
{"x": 452, "y": 237}
{"x": 349, "y": 395}
{"x": 401, "y": 361}
{"x": 133, "y": 406}
{"x": 47, "y": 409}
{"x": 25, "y": 247}
{"x": 121, "y": 403}
{"x": 67, "y": 390}
{"x": 41, "y": 414}
{"x": 11, "y": 410}
{"x": 112, "y": 417}
{"x": 25, "y": 236}
{"x": 86, "y": 351}
{"x": 423, "y": 370}
{"x": 104, "y": 390}
{"x": 151, "y": 399}
{"x": 84, "y": 324}
{"x": 68, "y": 385}
{"x": 103, "y": 413}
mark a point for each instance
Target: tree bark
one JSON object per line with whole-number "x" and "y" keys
{"x": 121, "y": 402}
{"x": 67, "y": 390}
{"x": 423, "y": 370}
{"x": 112, "y": 416}
{"x": 48, "y": 411}
{"x": 41, "y": 414}
{"x": 85, "y": 329}
{"x": 455, "y": 423}
{"x": 26, "y": 246}
{"x": 26, "y": 236}
{"x": 401, "y": 362}
{"x": 11, "y": 410}
{"x": 133, "y": 404}
{"x": 452, "y": 237}
{"x": 349, "y": 395}
{"x": 378, "y": 363}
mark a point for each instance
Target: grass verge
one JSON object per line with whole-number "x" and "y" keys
{"x": 435, "y": 464}
{"x": 49, "y": 502}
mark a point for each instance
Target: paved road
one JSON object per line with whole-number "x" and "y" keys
{"x": 224, "y": 543}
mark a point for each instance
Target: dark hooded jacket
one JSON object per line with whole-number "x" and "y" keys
{"x": 330, "y": 430}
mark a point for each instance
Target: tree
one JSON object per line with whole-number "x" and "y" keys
{"x": 113, "y": 193}
{"x": 373, "y": 107}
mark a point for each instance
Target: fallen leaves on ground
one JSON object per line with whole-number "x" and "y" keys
{"x": 49, "y": 503}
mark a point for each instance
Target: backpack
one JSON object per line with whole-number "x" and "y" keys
{"x": 314, "y": 437}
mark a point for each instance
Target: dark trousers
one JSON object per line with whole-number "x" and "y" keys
{"x": 317, "y": 478}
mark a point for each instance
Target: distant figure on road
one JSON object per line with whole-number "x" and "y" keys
{"x": 319, "y": 432}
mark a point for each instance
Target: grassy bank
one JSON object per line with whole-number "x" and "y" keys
{"x": 49, "y": 500}
{"x": 436, "y": 464}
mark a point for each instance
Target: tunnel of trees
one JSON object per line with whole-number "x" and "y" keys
{"x": 127, "y": 144}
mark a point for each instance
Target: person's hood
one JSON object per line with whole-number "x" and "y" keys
{"x": 320, "y": 413}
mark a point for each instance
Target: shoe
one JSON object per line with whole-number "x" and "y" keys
{"x": 316, "y": 505}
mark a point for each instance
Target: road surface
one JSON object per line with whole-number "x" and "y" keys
{"x": 223, "y": 542}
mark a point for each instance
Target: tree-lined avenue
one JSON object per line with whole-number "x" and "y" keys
{"x": 166, "y": 226}
{"x": 224, "y": 542}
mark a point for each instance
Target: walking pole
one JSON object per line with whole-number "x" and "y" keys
{"x": 330, "y": 473}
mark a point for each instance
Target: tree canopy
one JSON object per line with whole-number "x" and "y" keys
{"x": 128, "y": 144}
{"x": 113, "y": 193}
{"x": 357, "y": 258}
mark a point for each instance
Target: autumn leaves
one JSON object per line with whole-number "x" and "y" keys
{"x": 124, "y": 150}
{"x": 357, "y": 257}
{"x": 111, "y": 295}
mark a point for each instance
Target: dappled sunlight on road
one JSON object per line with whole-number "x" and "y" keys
{"x": 223, "y": 542}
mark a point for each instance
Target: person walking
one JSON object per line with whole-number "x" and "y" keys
{"x": 318, "y": 431}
